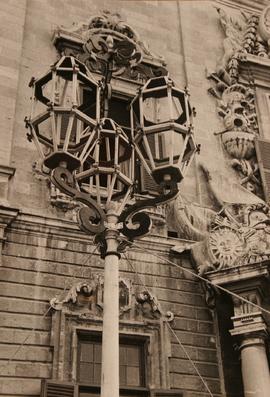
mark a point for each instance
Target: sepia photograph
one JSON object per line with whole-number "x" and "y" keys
{"x": 135, "y": 198}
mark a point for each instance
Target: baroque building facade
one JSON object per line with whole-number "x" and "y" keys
{"x": 194, "y": 293}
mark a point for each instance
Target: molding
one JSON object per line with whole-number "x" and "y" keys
{"x": 248, "y": 324}
{"x": 6, "y": 170}
{"x": 239, "y": 274}
{"x": 253, "y": 6}
{"x": 8, "y": 214}
{"x": 63, "y": 229}
{"x": 66, "y": 330}
{"x": 258, "y": 67}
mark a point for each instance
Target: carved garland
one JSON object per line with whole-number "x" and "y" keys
{"x": 245, "y": 34}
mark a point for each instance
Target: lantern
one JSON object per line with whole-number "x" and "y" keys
{"x": 65, "y": 110}
{"x": 108, "y": 164}
{"x": 162, "y": 131}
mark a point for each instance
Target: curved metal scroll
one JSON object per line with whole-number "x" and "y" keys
{"x": 141, "y": 219}
{"x": 91, "y": 218}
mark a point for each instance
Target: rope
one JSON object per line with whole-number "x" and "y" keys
{"x": 24, "y": 341}
{"x": 205, "y": 280}
{"x": 82, "y": 268}
{"x": 172, "y": 331}
{"x": 190, "y": 359}
{"x": 45, "y": 314}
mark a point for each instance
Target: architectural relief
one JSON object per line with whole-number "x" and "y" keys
{"x": 94, "y": 41}
{"x": 264, "y": 31}
{"x": 147, "y": 304}
{"x": 245, "y": 34}
{"x": 85, "y": 299}
{"x": 237, "y": 234}
{"x": 239, "y": 237}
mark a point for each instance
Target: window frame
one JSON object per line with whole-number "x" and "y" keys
{"x": 125, "y": 339}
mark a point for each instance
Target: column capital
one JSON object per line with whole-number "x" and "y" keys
{"x": 249, "y": 325}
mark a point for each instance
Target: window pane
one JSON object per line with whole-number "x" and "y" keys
{"x": 133, "y": 376}
{"x": 122, "y": 375}
{"x": 122, "y": 355}
{"x": 86, "y": 372}
{"x": 97, "y": 374}
{"x": 87, "y": 352}
{"x": 97, "y": 353}
{"x": 133, "y": 355}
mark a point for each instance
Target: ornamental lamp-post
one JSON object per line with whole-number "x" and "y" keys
{"x": 93, "y": 160}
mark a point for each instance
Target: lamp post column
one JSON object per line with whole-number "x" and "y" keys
{"x": 110, "y": 333}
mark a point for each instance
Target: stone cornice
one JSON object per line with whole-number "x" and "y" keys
{"x": 239, "y": 274}
{"x": 7, "y": 214}
{"x": 6, "y": 170}
{"x": 36, "y": 224}
{"x": 258, "y": 68}
{"x": 252, "y": 6}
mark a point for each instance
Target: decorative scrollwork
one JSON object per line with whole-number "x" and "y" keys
{"x": 107, "y": 34}
{"x": 91, "y": 218}
{"x": 132, "y": 217}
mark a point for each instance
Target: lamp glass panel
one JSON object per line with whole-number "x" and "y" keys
{"x": 171, "y": 142}
{"x": 63, "y": 93}
{"x": 63, "y": 120}
{"x": 45, "y": 130}
{"x": 157, "y": 110}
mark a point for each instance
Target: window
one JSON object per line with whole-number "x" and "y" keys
{"x": 89, "y": 365}
{"x": 132, "y": 365}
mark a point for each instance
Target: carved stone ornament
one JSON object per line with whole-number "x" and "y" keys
{"x": 245, "y": 34}
{"x": 85, "y": 300}
{"x": 81, "y": 297}
{"x": 147, "y": 304}
{"x": 87, "y": 297}
{"x": 94, "y": 41}
{"x": 264, "y": 25}
{"x": 236, "y": 235}
{"x": 235, "y": 242}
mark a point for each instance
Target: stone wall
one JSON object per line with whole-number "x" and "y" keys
{"x": 42, "y": 257}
